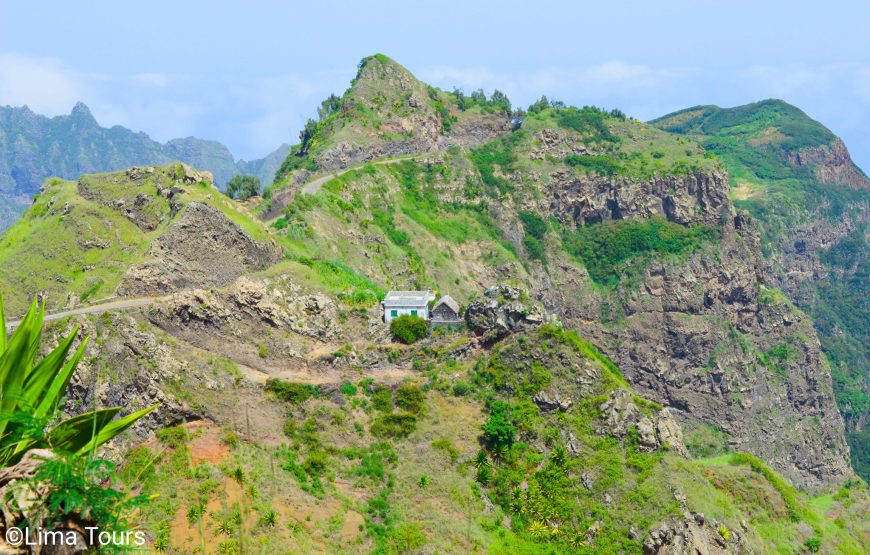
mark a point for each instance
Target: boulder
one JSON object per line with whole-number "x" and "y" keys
{"x": 501, "y": 311}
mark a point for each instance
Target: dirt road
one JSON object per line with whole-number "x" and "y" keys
{"x": 93, "y": 309}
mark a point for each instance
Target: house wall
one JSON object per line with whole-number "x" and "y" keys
{"x": 391, "y": 312}
{"x": 444, "y": 314}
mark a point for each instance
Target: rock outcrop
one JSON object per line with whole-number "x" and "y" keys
{"x": 388, "y": 112}
{"x": 202, "y": 248}
{"x": 142, "y": 367}
{"x": 831, "y": 164}
{"x": 694, "y": 535}
{"x": 277, "y": 303}
{"x": 685, "y": 199}
{"x": 502, "y": 311}
{"x": 656, "y": 429}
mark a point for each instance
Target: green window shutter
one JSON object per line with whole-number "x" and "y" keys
{"x": 413, "y": 313}
{"x": 394, "y": 313}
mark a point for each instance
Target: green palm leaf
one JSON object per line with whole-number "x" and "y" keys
{"x": 30, "y": 393}
{"x": 2, "y": 328}
{"x": 114, "y": 428}
{"x": 74, "y": 433}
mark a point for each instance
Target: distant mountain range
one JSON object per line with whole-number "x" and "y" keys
{"x": 33, "y": 147}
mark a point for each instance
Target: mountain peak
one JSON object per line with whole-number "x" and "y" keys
{"x": 383, "y": 74}
{"x": 81, "y": 111}
{"x": 771, "y": 138}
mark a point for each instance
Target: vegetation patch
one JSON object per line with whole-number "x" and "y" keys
{"x": 494, "y": 159}
{"x": 605, "y": 247}
{"x": 394, "y": 425}
{"x": 290, "y": 392}
{"x": 589, "y": 121}
{"x": 408, "y": 328}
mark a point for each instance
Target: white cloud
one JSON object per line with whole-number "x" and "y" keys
{"x": 779, "y": 81}
{"x": 153, "y": 79}
{"x": 43, "y": 84}
{"x": 461, "y": 77}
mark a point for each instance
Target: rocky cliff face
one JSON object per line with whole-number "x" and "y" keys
{"x": 831, "y": 164}
{"x": 812, "y": 206}
{"x": 705, "y": 338}
{"x": 201, "y": 248}
{"x": 697, "y": 197}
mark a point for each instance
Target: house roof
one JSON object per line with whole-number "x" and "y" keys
{"x": 408, "y": 297}
{"x": 448, "y": 301}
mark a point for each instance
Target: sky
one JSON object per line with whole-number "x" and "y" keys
{"x": 250, "y": 73}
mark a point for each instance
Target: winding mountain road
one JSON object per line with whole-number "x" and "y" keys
{"x": 93, "y": 309}
{"x": 313, "y": 186}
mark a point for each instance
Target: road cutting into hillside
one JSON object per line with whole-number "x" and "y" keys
{"x": 313, "y": 186}
{"x": 94, "y": 309}
{"x": 307, "y": 372}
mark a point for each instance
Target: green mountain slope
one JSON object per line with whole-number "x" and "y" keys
{"x": 34, "y": 147}
{"x": 79, "y": 239}
{"x": 525, "y": 208}
{"x": 364, "y": 466}
{"x": 631, "y": 384}
{"x": 387, "y": 112}
{"x": 813, "y": 205}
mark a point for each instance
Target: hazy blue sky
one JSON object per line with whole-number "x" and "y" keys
{"x": 250, "y": 73}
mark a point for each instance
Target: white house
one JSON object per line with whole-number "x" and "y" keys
{"x": 415, "y": 303}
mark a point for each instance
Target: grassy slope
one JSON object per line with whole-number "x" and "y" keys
{"x": 431, "y": 225}
{"x": 335, "y": 486}
{"x": 67, "y": 243}
{"x": 754, "y": 142}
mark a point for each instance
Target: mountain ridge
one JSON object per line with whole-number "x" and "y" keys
{"x": 34, "y": 147}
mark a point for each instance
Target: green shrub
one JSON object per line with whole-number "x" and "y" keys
{"x": 289, "y": 391}
{"x": 484, "y": 474}
{"x": 410, "y": 398}
{"x": 348, "y": 389}
{"x": 406, "y": 538}
{"x": 497, "y": 430}
{"x": 460, "y": 389}
{"x": 243, "y": 187}
{"x": 396, "y": 425}
{"x": 409, "y": 329}
{"x": 814, "y": 544}
{"x": 533, "y": 223}
{"x": 534, "y": 248}
{"x": 382, "y": 398}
